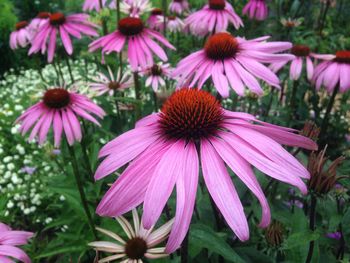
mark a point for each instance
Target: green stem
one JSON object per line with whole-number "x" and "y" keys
{"x": 325, "y": 122}
{"x": 184, "y": 249}
{"x": 118, "y": 9}
{"x": 137, "y": 95}
{"x": 164, "y": 8}
{"x": 81, "y": 190}
{"x": 103, "y": 20}
{"x": 70, "y": 70}
{"x": 155, "y": 101}
{"x": 312, "y": 227}
{"x": 268, "y": 108}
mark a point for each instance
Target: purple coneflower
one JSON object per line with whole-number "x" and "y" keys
{"x": 140, "y": 243}
{"x": 9, "y": 239}
{"x": 74, "y": 25}
{"x": 192, "y": 130}
{"x": 212, "y": 18}
{"x": 90, "y": 5}
{"x": 153, "y": 19}
{"x": 132, "y": 31}
{"x": 155, "y": 75}
{"x": 334, "y": 71}
{"x": 179, "y": 6}
{"x": 135, "y": 8}
{"x": 232, "y": 61}
{"x": 111, "y": 84}
{"x": 256, "y": 9}
{"x": 59, "y": 108}
{"x": 301, "y": 53}
{"x": 174, "y": 24}
{"x": 334, "y": 235}
{"x": 21, "y": 36}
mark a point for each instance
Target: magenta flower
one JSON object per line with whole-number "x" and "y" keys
{"x": 38, "y": 21}
{"x": 132, "y": 31}
{"x": 90, "y": 5}
{"x": 232, "y": 61}
{"x": 256, "y": 9}
{"x": 334, "y": 235}
{"x": 213, "y": 17}
{"x": 335, "y": 70}
{"x": 59, "y": 108}
{"x": 20, "y": 37}
{"x": 111, "y": 84}
{"x": 174, "y": 24}
{"x": 301, "y": 53}
{"x": 179, "y": 6}
{"x": 153, "y": 19}
{"x": 134, "y": 8}
{"x": 155, "y": 75}
{"x": 73, "y": 25}
{"x": 9, "y": 239}
{"x": 166, "y": 149}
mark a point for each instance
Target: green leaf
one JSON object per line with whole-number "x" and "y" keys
{"x": 300, "y": 239}
{"x": 61, "y": 250}
{"x": 204, "y": 237}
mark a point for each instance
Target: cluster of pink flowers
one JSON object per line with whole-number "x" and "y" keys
{"x": 192, "y": 133}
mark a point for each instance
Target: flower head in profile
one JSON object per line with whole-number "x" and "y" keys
{"x": 291, "y": 23}
{"x": 140, "y": 243}
{"x": 179, "y": 6}
{"x": 21, "y": 36}
{"x": 111, "y": 83}
{"x": 90, "y": 5}
{"x": 154, "y": 17}
{"x": 38, "y": 21}
{"x": 174, "y": 24}
{"x": 256, "y": 9}
{"x": 334, "y": 235}
{"x": 213, "y": 17}
{"x": 333, "y": 72}
{"x": 193, "y": 132}
{"x": 9, "y": 240}
{"x": 72, "y": 25}
{"x": 302, "y": 54}
{"x": 58, "y": 108}
{"x": 135, "y": 8}
{"x": 232, "y": 62}
{"x": 156, "y": 74}
{"x": 132, "y": 31}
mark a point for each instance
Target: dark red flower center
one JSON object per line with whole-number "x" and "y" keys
{"x": 113, "y": 85}
{"x": 221, "y": 46}
{"x": 43, "y": 15}
{"x": 171, "y": 18}
{"x": 191, "y": 114}
{"x": 217, "y": 4}
{"x": 130, "y": 26}
{"x": 57, "y": 19}
{"x": 135, "y": 248}
{"x": 157, "y": 11}
{"x": 178, "y": 1}
{"x": 342, "y": 56}
{"x": 300, "y": 50}
{"x": 56, "y": 98}
{"x": 21, "y": 25}
{"x": 156, "y": 70}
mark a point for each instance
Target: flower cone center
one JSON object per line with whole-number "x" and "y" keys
{"x": 57, "y": 19}
{"x": 56, "y": 98}
{"x": 217, "y": 4}
{"x": 157, "y": 11}
{"x": 300, "y": 50}
{"x": 343, "y": 56}
{"x": 191, "y": 114}
{"x": 21, "y": 25}
{"x": 130, "y": 26}
{"x": 156, "y": 70}
{"x": 221, "y": 46}
{"x": 43, "y": 15}
{"x": 113, "y": 85}
{"x": 136, "y": 248}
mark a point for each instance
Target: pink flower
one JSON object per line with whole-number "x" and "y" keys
{"x": 192, "y": 130}
{"x": 135, "y": 8}
{"x": 333, "y": 71}
{"x": 256, "y": 9}
{"x": 179, "y": 6}
{"x": 73, "y": 25}
{"x": 111, "y": 84}
{"x": 153, "y": 20}
{"x": 155, "y": 75}
{"x": 132, "y": 31}
{"x": 21, "y": 36}
{"x": 232, "y": 61}
{"x": 301, "y": 52}
{"x": 59, "y": 108}
{"x": 38, "y": 21}
{"x": 90, "y": 5}
{"x": 174, "y": 24}
{"x": 213, "y": 17}
{"x": 9, "y": 239}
